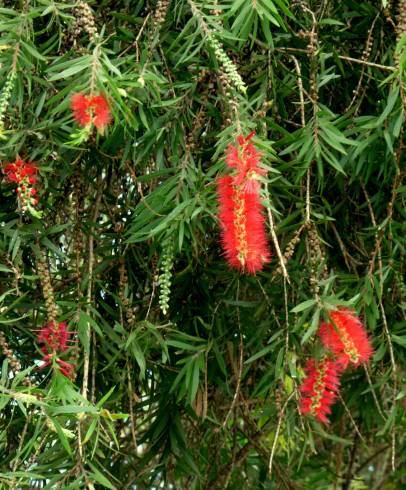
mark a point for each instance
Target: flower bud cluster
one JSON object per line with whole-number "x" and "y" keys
{"x": 228, "y": 66}
{"x": 128, "y": 309}
{"x": 165, "y": 278}
{"x": 161, "y": 10}
{"x": 48, "y": 292}
{"x": 84, "y": 21}
{"x": 14, "y": 363}
{"x": 5, "y": 97}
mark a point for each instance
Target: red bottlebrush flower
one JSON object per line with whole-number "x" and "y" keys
{"x": 17, "y": 171}
{"x": 102, "y": 114}
{"x": 243, "y": 233}
{"x": 91, "y": 109}
{"x": 346, "y": 337}
{"x": 320, "y": 387}
{"x": 55, "y": 336}
{"x": 24, "y": 175}
{"x": 80, "y": 105}
{"x": 245, "y": 159}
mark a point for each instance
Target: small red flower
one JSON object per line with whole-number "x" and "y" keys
{"x": 80, "y": 105}
{"x": 12, "y": 177}
{"x": 28, "y": 169}
{"x": 319, "y": 388}
{"x": 346, "y": 337}
{"x": 66, "y": 368}
{"x": 243, "y": 233}
{"x": 10, "y": 168}
{"x": 55, "y": 336}
{"x": 24, "y": 174}
{"x": 102, "y": 114}
{"x": 91, "y": 109}
{"x": 55, "y": 339}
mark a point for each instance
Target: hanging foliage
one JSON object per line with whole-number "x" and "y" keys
{"x": 202, "y": 244}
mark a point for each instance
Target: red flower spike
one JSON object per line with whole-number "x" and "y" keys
{"x": 91, "y": 109}
{"x": 346, "y": 338}
{"x": 24, "y": 175}
{"x": 320, "y": 387}
{"x": 243, "y": 233}
{"x": 55, "y": 337}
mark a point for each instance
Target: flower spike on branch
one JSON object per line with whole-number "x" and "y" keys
{"x": 320, "y": 388}
{"x": 24, "y": 174}
{"x": 93, "y": 109}
{"x": 241, "y": 213}
{"x": 346, "y": 338}
{"x": 55, "y": 339}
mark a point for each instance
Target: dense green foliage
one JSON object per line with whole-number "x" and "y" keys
{"x": 187, "y": 372}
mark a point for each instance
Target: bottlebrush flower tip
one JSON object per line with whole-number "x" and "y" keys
{"x": 244, "y": 158}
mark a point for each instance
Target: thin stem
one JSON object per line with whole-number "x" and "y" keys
{"x": 278, "y": 428}
{"x": 276, "y": 244}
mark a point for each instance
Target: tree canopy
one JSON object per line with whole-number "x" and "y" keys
{"x": 202, "y": 243}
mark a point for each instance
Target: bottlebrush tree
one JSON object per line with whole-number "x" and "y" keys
{"x": 202, "y": 243}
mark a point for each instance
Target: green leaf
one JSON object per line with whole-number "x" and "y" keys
{"x": 303, "y": 306}
{"x": 99, "y": 477}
